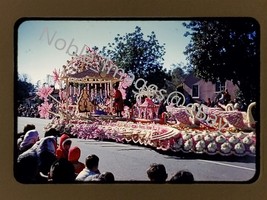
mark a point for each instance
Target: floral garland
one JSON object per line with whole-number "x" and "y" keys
{"x": 163, "y": 137}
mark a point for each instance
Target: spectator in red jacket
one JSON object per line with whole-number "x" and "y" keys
{"x": 64, "y": 146}
{"x": 74, "y": 155}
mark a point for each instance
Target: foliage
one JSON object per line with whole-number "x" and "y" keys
{"x": 226, "y": 49}
{"x": 143, "y": 57}
{"x": 24, "y": 88}
{"x": 178, "y": 74}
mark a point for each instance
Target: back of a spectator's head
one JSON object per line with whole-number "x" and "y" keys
{"x": 28, "y": 127}
{"x": 106, "y": 177}
{"x": 182, "y": 177}
{"x": 91, "y": 162}
{"x": 46, "y": 159}
{"x": 27, "y": 169}
{"x": 52, "y": 132}
{"x": 62, "y": 171}
{"x": 157, "y": 173}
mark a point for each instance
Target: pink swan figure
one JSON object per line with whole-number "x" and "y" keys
{"x": 183, "y": 115}
{"x": 241, "y": 120}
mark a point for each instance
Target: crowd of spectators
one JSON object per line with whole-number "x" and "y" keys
{"x": 26, "y": 110}
{"x": 43, "y": 160}
{"x": 31, "y": 110}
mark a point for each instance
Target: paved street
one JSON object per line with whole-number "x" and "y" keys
{"x": 129, "y": 162}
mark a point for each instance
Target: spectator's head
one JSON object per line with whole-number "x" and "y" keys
{"x": 51, "y": 132}
{"x": 28, "y": 127}
{"x": 106, "y": 177}
{"x": 67, "y": 144}
{"x": 62, "y": 171}
{"x": 47, "y": 144}
{"x": 182, "y": 177}
{"x": 46, "y": 160}
{"x": 27, "y": 169}
{"x": 91, "y": 162}
{"x": 157, "y": 173}
{"x": 74, "y": 154}
{"x": 64, "y": 142}
{"x": 30, "y": 138}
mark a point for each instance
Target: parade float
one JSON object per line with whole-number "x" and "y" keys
{"x": 84, "y": 109}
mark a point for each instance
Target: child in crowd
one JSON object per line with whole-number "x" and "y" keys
{"x": 73, "y": 157}
{"x": 91, "y": 168}
{"x": 157, "y": 173}
{"x": 182, "y": 177}
{"x": 64, "y": 146}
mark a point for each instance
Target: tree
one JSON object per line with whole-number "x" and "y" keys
{"x": 24, "y": 88}
{"x": 143, "y": 57}
{"x": 178, "y": 74}
{"x": 226, "y": 49}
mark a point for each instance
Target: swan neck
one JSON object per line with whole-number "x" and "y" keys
{"x": 250, "y": 117}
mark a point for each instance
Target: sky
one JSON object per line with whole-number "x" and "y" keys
{"x": 44, "y": 45}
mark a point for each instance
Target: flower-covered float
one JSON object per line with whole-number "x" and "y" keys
{"x": 84, "y": 109}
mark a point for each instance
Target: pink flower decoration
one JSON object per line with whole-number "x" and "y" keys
{"x": 123, "y": 93}
{"x": 56, "y": 75}
{"x": 124, "y": 84}
{"x": 44, "y": 92}
{"x": 44, "y": 109}
{"x": 62, "y": 95}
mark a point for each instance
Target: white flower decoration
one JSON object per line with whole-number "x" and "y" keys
{"x": 247, "y": 140}
{"x": 239, "y": 148}
{"x": 228, "y": 134}
{"x": 208, "y": 138}
{"x": 197, "y": 137}
{"x": 252, "y": 149}
{"x": 188, "y": 144}
{"x": 252, "y": 134}
{"x": 178, "y": 144}
{"x": 186, "y": 136}
{"x": 212, "y": 147}
{"x": 200, "y": 145}
{"x": 226, "y": 147}
{"x": 240, "y": 135}
{"x": 233, "y": 139}
{"x": 215, "y": 134}
{"x": 194, "y": 133}
{"x": 220, "y": 139}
